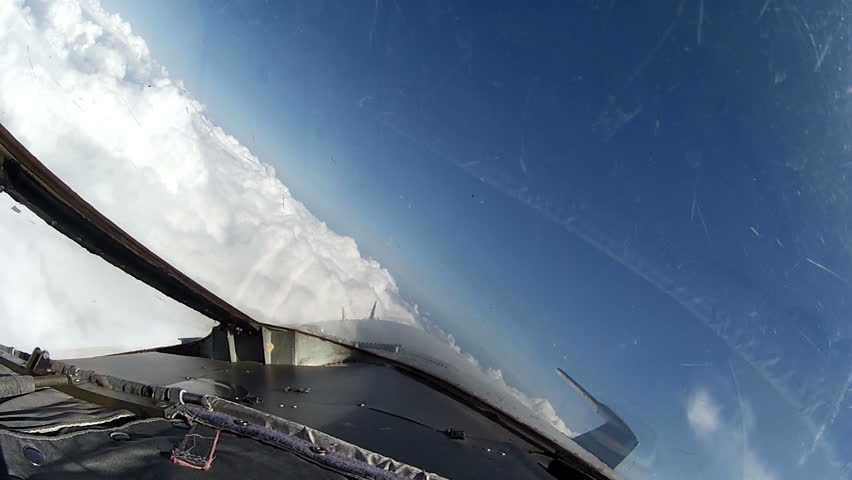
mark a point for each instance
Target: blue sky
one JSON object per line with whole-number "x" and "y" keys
{"x": 652, "y": 198}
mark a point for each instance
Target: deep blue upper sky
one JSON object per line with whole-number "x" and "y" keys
{"x": 623, "y": 190}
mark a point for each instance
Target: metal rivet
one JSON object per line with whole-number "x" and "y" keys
{"x": 240, "y": 422}
{"x": 119, "y": 436}
{"x": 295, "y": 406}
{"x": 34, "y": 456}
{"x": 163, "y": 404}
{"x": 318, "y": 450}
{"x": 282, "y": 405}
{"x": 362, "y": 404}
{"x": 503, "y": 454}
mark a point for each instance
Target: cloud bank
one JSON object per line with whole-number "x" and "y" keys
{"x": 85, "y": 96}
{"x": 83, "y": 93}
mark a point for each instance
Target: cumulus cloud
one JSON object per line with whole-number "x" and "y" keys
{"x": 85, "y": 96}
{"x": 726, "y": 440}
{"x": 83, "y": 93}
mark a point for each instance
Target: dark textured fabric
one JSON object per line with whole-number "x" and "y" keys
{"x": 146, "y": 455}
{"x": 49, "y": 411}
{"x": 73, "y": 437}
{"x": 14, "y": 385}
{"x": 198, "y": 447}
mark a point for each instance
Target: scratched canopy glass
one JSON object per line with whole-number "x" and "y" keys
{"x": 651, "y": 197}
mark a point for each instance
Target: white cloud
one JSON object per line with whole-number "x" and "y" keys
{"x": 702, "y": 413}
{"x": 726, "y": 441}
{"x": 84, "y": 95}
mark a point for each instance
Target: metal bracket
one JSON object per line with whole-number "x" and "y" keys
{"x": 39, "y": 362}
